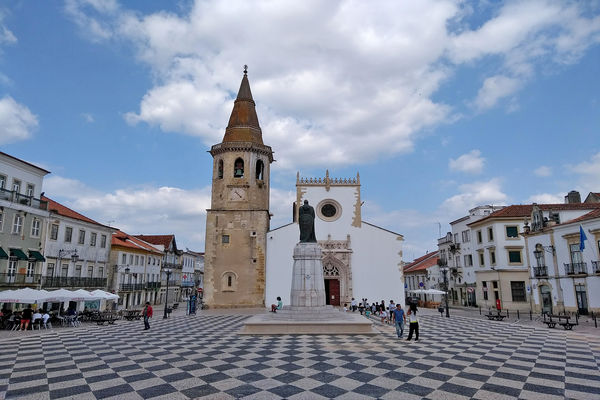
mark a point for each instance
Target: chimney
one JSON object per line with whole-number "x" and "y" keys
{"x": 573, "y": 197}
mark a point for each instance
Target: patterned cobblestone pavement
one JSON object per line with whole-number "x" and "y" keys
{"x": 203, "y": 357}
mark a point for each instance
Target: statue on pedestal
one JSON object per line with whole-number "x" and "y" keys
{"x": 306, "y": 221}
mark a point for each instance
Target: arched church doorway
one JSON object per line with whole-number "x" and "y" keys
{"x": 332, "y": 292}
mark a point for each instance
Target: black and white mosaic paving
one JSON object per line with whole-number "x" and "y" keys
{"x": 189, "y": 357}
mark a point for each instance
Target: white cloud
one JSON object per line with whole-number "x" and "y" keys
{"x": 547, "y": 198}
{"x": 139, "y": 210}
{"x": 471, "y": 163}
{"x": 494, "y": 89}
{"x": 475, "y": 194}
{"x": 17, "y": 122}
{"x": 87, "y": 117}
{"x": 543, "y": 171}
{"x": 357, "y": 85}
{"x": 589, "y": 174}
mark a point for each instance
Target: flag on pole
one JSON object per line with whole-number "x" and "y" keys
{"x": 582, "y": 238}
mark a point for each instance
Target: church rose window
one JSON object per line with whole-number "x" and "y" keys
{"x": 329, "y": 210}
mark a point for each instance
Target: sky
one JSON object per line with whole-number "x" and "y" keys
{"x": 441, "y": 106}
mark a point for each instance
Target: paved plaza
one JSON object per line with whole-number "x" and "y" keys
{"x": 203, "y": 357}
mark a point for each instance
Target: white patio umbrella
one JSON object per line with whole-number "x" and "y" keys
{"x": 25, "y": 295}
{"x": 85, "y": 295}
{"x": 105, "y": 295}
{"x": 60, "y": 295}
{"x": 433, "y": 291}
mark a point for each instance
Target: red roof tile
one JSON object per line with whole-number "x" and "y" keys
{"x": 164, "y": 240}
{"x": 120, "y": 238}
{"x": 423, "y": 262}
{"x": 524, "y": 210}
{"x": 59, "y": 209}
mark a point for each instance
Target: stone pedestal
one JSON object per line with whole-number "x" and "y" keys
{"x": 308, "y": 286}
{"x": 308, "y": 313}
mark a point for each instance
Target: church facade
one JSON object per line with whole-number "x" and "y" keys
{"x": 360, "y": 260}
{"x": 238, "y": 220}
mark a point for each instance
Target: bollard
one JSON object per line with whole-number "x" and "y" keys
{"x": 479, "y": 310}
{"x": 595, "y": 322}
{"x": 530, "y": 315}
{"x": 507, "y": 313}
{"x": 577, "y": 318}
{"x": 518, "y": 317}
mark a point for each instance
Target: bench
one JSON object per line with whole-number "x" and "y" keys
{"x": 558, "y": 319}
{"x": 497, "y": 316}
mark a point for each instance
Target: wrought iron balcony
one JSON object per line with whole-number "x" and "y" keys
{"x": 539, "y": 272}
{"x": 153, "y": 285}
{"x": 576, "y": 268}
{"x": 596, "y": 266}
{"x": 19, "y": 279}
{"x": 130, "y": 287}
{"x": 19, "y": 198}
{"x": 72, "y": 282}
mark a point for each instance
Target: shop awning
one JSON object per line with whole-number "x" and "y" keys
{"x": 3, "y": 255}
{"x": 19, "y": 254}
{"x": 36, "y": 255}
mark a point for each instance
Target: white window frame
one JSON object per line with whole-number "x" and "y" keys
{"x": 54, "y": 234}
{"x": 16, "y": 187}
{"x": 81, "y": 238}
{"x": 36, "y": 224}
{"x": 93, "y": 236}
{"x": 30, "y": 269}
{"x": 69, "y": 237}
{"x": 1, "y": 221}
{"x": 103, "y": 241}
{"x": 17, "y": 227}
{"x": 30, "y": 190}
{"x": 2, "y": 181}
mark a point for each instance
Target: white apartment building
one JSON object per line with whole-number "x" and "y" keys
{"x": 565, "y": 276}
{"x": 76, "y": 250}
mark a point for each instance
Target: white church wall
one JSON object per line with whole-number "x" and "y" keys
{"x": 280, "y": 250}
{"x": 346, "y": 196}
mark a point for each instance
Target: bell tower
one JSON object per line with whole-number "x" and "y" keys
{"x": 238, "y": 220}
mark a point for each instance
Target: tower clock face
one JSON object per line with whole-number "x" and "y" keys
{"x": 237, "y": 194}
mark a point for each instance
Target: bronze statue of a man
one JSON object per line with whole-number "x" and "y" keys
{"x": 306, "y": 221}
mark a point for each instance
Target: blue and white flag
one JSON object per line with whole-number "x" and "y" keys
{"x": 582, "y": 238}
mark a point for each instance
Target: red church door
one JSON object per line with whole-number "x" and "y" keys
{"x": 332, "y": 292}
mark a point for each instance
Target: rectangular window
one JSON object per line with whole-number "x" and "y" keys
{"x": 514, "y": 256}
{"x": 78, "y": 271}
{"x": 35, "y": 227}
{"x": 517, "y": 289}
{"x": 93, "y": 239}
{"x": 479, "y": 237}
{"x": 491, "y": 234}
{"x": 141, "y": 260}
{"x": 12, "y": 266}
{"x": 90, "y": 272}
{"x": 103, "y": 241}
{"x": 456, "y": 238}
{"x": 65, "y": 270}
{"x": 457, "y": 261}
{"x": 468, "y": 260}
{"x": 2, "y": 182}
{"x": 50, "y": 270}
{"x": 29, "y": 191}
{"x": 225, "y": 239}
{"x": 466, "y": 236}
{"x": 81, "y": 237}
{"x": 68, "y": 234}
{"x": 30, "y": 269}
{"x": 485, "y": 289}
{"x": 131, "y": 259}
{"x": 101, "y": 272}
{"x": 137, "y": 260}
{"x": 512, "y": 232}
{"x": 17, "y": 224}
{"x": 16, "y": 186}
{"x": 1, "y": 221}
{"x": 576, "y": 257}
{"x": 492, "y": 257}
{"x": 124, "y": 259}
{"x": 481, "y": 260}
{"x": 54, "y": 232}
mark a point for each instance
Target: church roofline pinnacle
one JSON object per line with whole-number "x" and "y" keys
{"x": 327, "y": 181}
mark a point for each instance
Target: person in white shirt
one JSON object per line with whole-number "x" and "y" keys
{"x": 353, "y": 304}
{"x": 413, "y": 325}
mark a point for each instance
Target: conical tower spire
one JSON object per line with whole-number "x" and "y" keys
{"x": 243, "y": 123}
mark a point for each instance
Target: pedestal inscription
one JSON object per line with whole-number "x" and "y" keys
{"x": 308, "y": 286}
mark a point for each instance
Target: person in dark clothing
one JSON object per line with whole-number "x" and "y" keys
{"x": 413, "y": 325}
{"x": 26, "y": 318}
{"x": 147, "y": 313}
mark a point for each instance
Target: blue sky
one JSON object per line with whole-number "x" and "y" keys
{"x": 439, "y": 105}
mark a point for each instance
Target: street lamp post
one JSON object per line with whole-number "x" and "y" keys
{"x": 168, "y": 271}
{"x": 444, "y": 268}
{"x": 61, "y": 254}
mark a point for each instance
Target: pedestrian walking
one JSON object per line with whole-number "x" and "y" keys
{"x": 147, "y": 313}
{"x": 413, "y": 325}
{"x": 391, "y": 308}
{"x": 399, "y": 319}
{"x": 353, "y": 305}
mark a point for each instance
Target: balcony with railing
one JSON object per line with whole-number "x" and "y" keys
{"x": 20, "y": 280}
{"x": 579, "y": 268}
{"x": 152, "y": 285}
{"x": 131, "y": 287}
{"x": 596, "y": 266}
{"x": 540, "y": 272}
{"x": 15, "y": 197}
{"x": 72, "y": 282}
{"x": 187, "y": 283}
